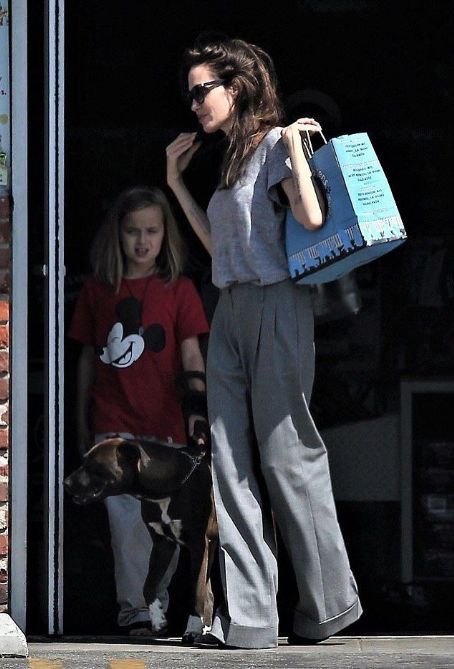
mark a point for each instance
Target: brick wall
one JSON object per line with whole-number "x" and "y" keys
{"x": 4, "y": 395}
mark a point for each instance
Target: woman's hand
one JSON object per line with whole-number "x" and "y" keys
{"x": 301, "y": 125}
{"x": 179, "y": 154}
{"x": 291, "y": 135}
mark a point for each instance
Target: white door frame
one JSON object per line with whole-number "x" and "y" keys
{"x": 19, "y": 315}
{"x": 54, "y": 58}
{"x": 53, "y": 272}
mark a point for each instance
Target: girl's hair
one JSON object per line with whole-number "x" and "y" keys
{"x": 107, "y": 257}
{"x": 257, "y": 106}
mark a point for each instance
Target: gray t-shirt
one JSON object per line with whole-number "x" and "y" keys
{"x": 247, "y": 220}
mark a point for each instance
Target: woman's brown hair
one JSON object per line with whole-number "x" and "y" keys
{"x": 257, "y": 106}
{"x": 106, "y": 255}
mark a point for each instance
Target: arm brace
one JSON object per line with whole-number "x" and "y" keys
{"x": 194, "y": 402}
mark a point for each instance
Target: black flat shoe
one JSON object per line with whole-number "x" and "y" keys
{"x": 207, "y": 640}
{"x": 297, "y": 640}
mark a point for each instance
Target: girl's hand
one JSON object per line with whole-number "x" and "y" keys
{"x": 199, "y": 430}
{"x": 301, "y": 125}
{"x": 179, "y": 154}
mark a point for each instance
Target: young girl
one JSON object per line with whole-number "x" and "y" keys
{"x": 139, "y": 321}
{"x": 269, "y": 461}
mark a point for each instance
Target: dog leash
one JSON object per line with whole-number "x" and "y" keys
{"x": 195, "y": 463}
{"x": 195, "y": 460}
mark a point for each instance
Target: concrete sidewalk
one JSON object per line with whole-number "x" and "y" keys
{"x": 339, "y": 652}
{"x": 12, "y": 639}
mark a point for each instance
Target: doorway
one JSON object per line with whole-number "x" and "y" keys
{"x": 122, "y": 107}
{"x": 115, "y": 134}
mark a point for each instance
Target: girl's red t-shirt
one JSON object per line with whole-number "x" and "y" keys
{"x": 137, "y": 336}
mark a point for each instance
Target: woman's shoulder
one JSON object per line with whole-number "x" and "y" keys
{"x": 275, "y": 132}
{"x": 273, "y": 144}
{"x": 274, "y": 147}
{"x": 273, "y": 136}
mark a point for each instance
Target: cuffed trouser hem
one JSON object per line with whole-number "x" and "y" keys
{"x": 134, "y": 619}
{"x": 238, "y": 636}
{"x": 310, "y": 629}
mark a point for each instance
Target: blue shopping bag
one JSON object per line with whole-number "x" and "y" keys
{"x": 362, "y": 221}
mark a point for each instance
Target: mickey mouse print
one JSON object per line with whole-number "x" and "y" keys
{"x": 128, "y": 338}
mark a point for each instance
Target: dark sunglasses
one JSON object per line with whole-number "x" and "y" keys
{"x": 199, "y": 92}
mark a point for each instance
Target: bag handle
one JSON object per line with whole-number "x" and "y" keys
{"x": 306, "y": 151}
{"x": 307, "y": 143}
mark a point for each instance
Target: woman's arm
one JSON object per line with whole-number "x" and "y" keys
{"x": 300, "y": 188}
{"x": 85, "y": 378}
{"x": 179, "y": 154}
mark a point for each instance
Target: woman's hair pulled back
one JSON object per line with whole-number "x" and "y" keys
{"x": 106, "y": 254}
{"x": 257, "y": 106}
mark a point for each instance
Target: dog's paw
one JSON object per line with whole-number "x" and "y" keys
{"x": 194, "y": 628}
{"x": 157, "y": 617}
{"x": 188, "y": 638}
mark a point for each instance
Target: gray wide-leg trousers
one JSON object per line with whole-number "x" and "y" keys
{"x": 270, "y": 464}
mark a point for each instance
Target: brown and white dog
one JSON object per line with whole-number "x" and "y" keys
{"x": 174, "y": 485}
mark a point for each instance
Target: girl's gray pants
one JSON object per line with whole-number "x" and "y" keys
{"x": 131, "y": 546}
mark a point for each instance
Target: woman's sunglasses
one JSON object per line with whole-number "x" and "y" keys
{"x": 199, "y": 92}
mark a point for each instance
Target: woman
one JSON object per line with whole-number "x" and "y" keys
{"x": 269, "y": 461}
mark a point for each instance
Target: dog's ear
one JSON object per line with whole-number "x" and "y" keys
{"x": 128, "y": 451}
{"x": 132, "y": 452}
